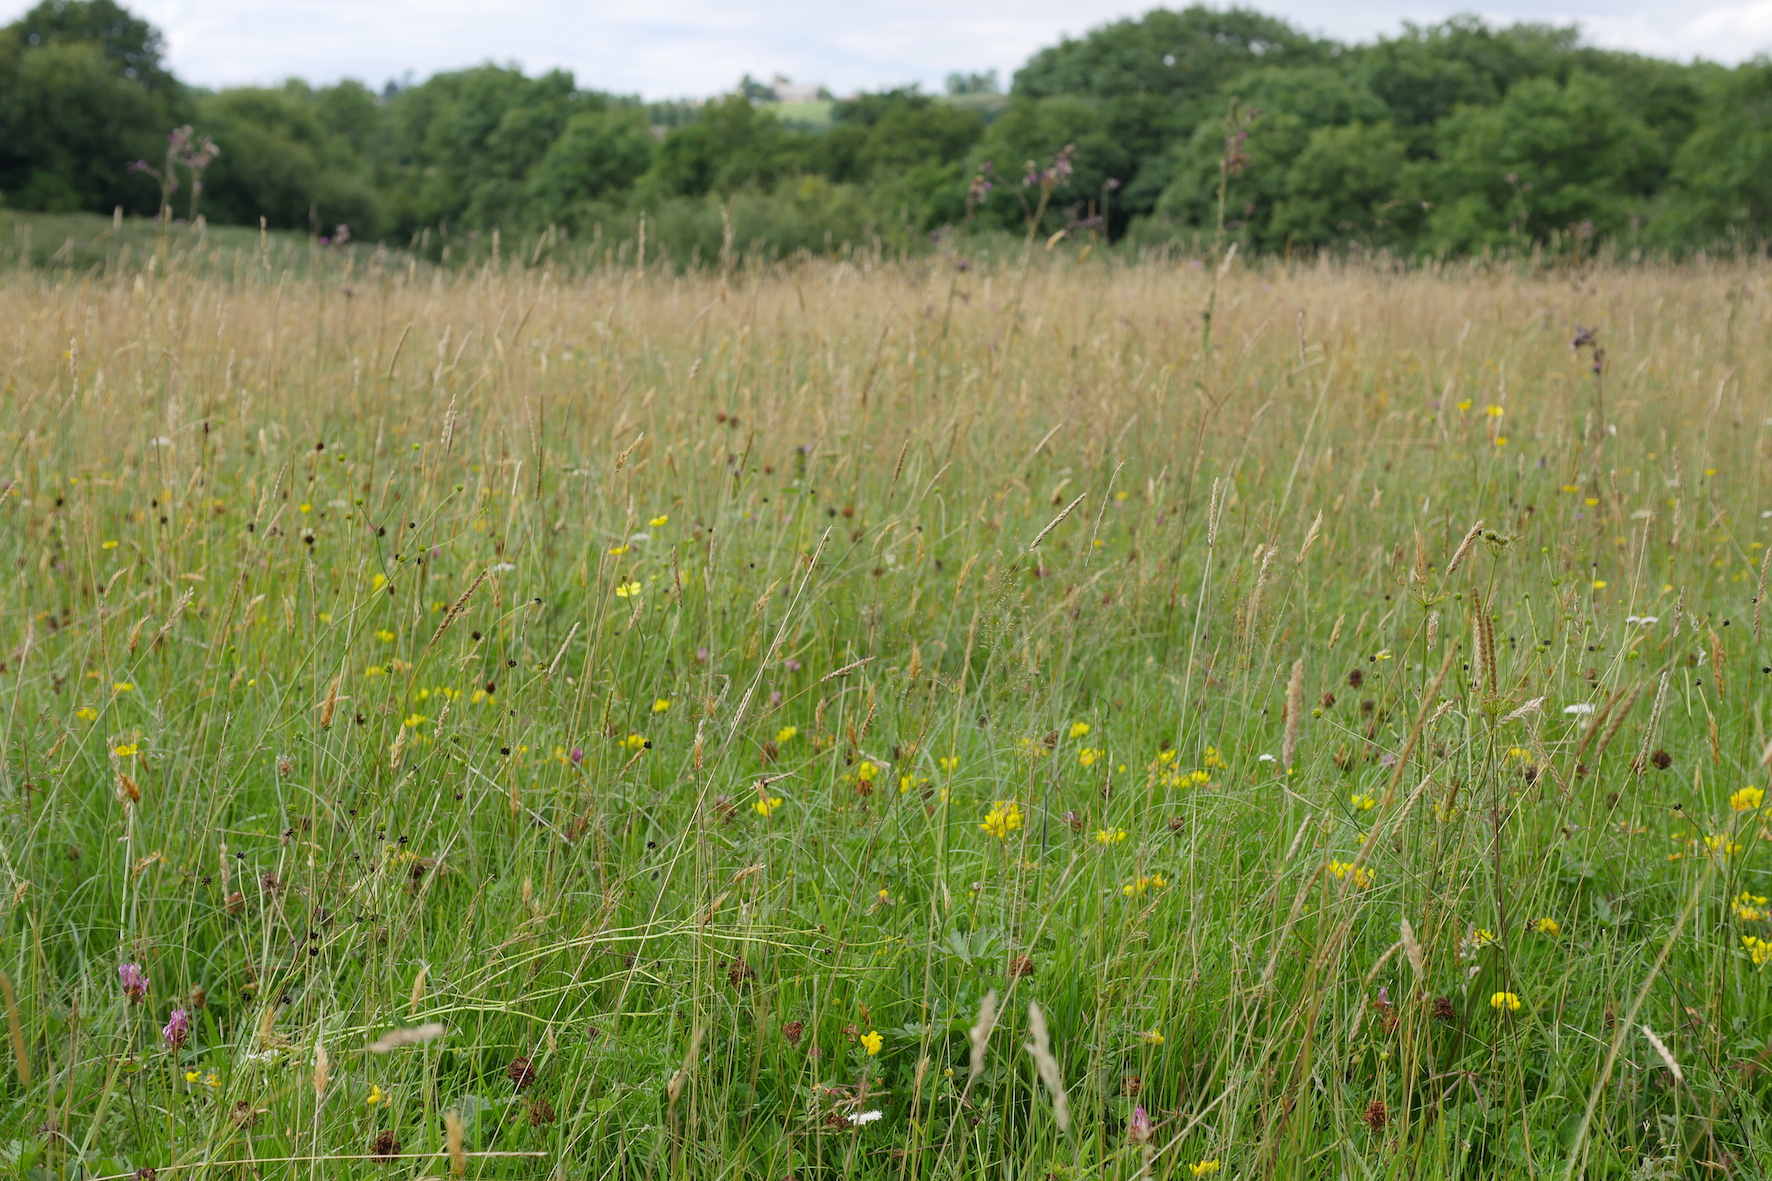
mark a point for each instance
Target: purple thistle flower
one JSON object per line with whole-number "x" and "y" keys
{"x": 177, "y": 1027}
{"x": 577, "y": 755}
{"x": 135, "y": 985}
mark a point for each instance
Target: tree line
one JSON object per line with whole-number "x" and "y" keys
{"x": 1194, "y": 125}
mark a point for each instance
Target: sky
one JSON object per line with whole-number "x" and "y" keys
{"x": 694, "y": 48}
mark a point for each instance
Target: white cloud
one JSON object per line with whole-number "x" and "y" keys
{"x": 664, "y": 48}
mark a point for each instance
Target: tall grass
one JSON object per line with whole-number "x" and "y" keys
{"x": 626, "y": 725}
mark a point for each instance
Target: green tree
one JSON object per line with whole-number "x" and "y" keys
{"x": 1548, "y": 158}
{"x": 70, "y": 124}
{"x": 732, "y": 146}
{"x": 1722, "y": 176}
{"x": 126, "y": 39}
{"x": 598, "y": 154}
{"x": 281, "y": 161}
{"x": 1028, "y": 135}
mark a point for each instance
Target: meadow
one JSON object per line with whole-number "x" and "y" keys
{"x": 884, "y": 719}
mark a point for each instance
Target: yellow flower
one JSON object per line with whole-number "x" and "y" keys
{"x": 1493, "y": 411}
{"x": 634, "y": 742}
{"x": 1163, "y": 759}
{"x": 123, "y": 687}
{"x": 384, "y": 635}
{"x": 786, "y": 734}
{"x": 480, "y": 697}
{"x": 1003, "y": 818}
{"x": 1599, "y": 584}
{"x": 627, "y": 590}
{"x": 885, "y": 897}
{"x": 1110, "y": 836}
{"x": 949, "y": 762}
{"x": 374, "y": 670}
{"x": 871, "y": 1042}
{"x": 124, "y": 749}
{"x": 1505, "y": 1000}
{"x": 86, "y": 714}
{"x": 908, "y": 782}
{"x": 1140, "y": 884}
{"x": 1151, "y": 1037}
{"x": 375, "y": 1096}
{"x": 1465, "y": 404}
{"x": 109, "y": 545}
{"x": 1547, "y": 927}
{"x": 1364, "y": 801}
{"x": 618, "y": 549}
{"x": 1748, "y": 906}
{"x": 1748, "y": 799}
{"x": 1759, "y": 949}
{"x": 209, "y": 1080}
{"x": 192, "y": 1076}
{"x": 1722, "y": 845}
{"x": 377, "y": 582}
{"x": 1214, "y": 760}
{"x": 866, "y": 771}
{"x": 766, "y": 806}
{"x": 1362, "y": 877}
{"x": 1482, "y": 937}
{"x": 413, "y": 721}
{"x": 1087, "y": 757}
{"x": 1501, "y": 440}
{"x": 306, "y": 507}
{"x": 662, "y": 705}
{"x": 1079, "y": 729}
{"x": 660, "y": 521}
{"x": 1206, "y": 1168}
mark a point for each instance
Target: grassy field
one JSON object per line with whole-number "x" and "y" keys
{"x": 885, "y": 721}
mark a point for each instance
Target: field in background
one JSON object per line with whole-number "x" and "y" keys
{"x": 884, "y": 720}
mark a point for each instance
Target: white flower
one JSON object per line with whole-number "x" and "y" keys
{"x": 1264, "y": 758}
{"x": 866, "y": 1117}
{"x": 1580, "y": 707}
{"x": 503, "y": 568}
{"x": 1644, "y": 620}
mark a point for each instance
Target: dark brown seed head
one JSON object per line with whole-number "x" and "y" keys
{"x": 792, "y": 1031}
{"x": 1376, "y": 1116}
{"x": 1020, "y": 966}
{"x": 740, "y": 973}
{"x": 541, "y": 1112}
{"x": 1662, "y": 760}
{"x": 1443, "y": 1010}
{"x": 384, "y": 1147}
{"x": 521, "y": 1072}
{"x": 1356, "y": 678}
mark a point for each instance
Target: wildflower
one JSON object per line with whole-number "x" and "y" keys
{"x": 1599, "y": 584}
{"x": 1362, "y": 877}
{"x": 1214, "y": 761}
{"x": 124, "y": 749}
{"x": 176, "y": 1029}
{"x": 908, "y": 783}
{"x": 660, "y": 521}
{"x": 1203, "y": 1168}
{"x": 480, "y": 697}
{"x": 949, "y": 763}
{"x": 1088, "y": 756}
{"x": 871, "y": 1042}
{"x": 306, "y": 508}
{"x": 375, "y": 670}
{"x": 1505, "y": 1000}
{"x": 1748, "y": 799}
{"x": 1721, "y": 845}
{"x": 859, "y": 1118}
{"x": 618, "y": 550}
{"x": 1748, "y": 907}
{"x": 1364, "y": 801}
{"x": 135, "y": 985}
{"x": 1547, "y": 926}
{"x": 627, "y": 590}
{"x": 375, "y": 1095}
{"x": 1151, "y": 1037}
{"x": 1501, "y": 440}
{"x": 413, "y": 721}
{"x": 1079, "y": 729}
{"x": 885, "y": 897}
{"x": 866, "y": 771}
{"x": 86, "y": 714}
{"x": 1138, "y": 1128}
{"x": 1382, "y": 654}
{"x": 1143, "y": 882}
{"x": 1163, "y": 759}
{"x": 791, "y": 665}
{"x": 1110, "y": 836}
{"x": 109, "y": 545}
{"x": 634, "y": 742}
{"x": 576, "y": 755}
{"x": 786, "y": 734}
{"x": 1003, "y": 818}
{"x": 766, "y": 805}
{"x": 123, "y": 686}
{"x": 384, "y": 635}
{"x": 1493, "y": 411}
{"x": 1758, "y": 949}
{"x": 192, "y": 1076}
{"x": 1482, "y": 937}
{"x": 661, "y": 705}
{"x": 1580, "y": 707}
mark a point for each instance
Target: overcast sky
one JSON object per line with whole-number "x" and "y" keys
{"x": 670, "y": 48}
